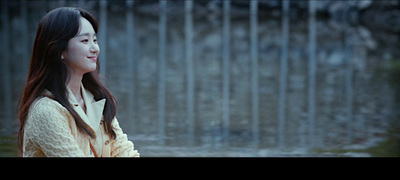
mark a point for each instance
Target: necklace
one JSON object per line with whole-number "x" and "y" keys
{"x": 81, "y": 102}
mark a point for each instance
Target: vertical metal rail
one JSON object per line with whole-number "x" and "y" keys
{"x": 161, "y": 69}
{"x": 226, "y": 70}
{"x": 5, "y": 69}
{"x": 189, "y": 68}
{"x": 24, "y": 47}
{"x": 349, "y": 86}
{"x": 254, "y": 70}
{"x": 103, "y": 37}
{"x": 283, "y": 74}
{"x": 130, "y": 62}
{"x": 312, "y": 40}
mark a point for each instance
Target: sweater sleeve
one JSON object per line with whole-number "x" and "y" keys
{"x": 48, "y": 128}
{"x": 121, "y": 146}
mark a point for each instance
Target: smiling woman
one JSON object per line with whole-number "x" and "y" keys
{"x": 81, "y": 54}
{"x": 64, "y": 109}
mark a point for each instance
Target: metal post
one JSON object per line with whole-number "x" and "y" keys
{"x": 24, "y": 47}
{"x": 130, "y": 45}
{"x": 312, "y": 35}
{"x": 5, "y": 69}
{"x": 283, "y": 74}
{"x": 103, "y": 37}
{"x": 161, "y": 71}
{"x": 349, "y": 87}
{"x": 254, "y": 68}
{"x": 226, "y": 70}
{"x": 189, "y": 69}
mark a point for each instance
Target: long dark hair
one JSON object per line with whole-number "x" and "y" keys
{"x": 48, "y": 71}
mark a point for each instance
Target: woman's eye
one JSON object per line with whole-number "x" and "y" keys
{"x": 85, "y": 41}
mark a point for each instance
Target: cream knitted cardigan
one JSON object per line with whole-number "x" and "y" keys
{"x": 50, "y": 130}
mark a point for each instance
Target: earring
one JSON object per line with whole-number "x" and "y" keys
{"x": 62, "y": 57}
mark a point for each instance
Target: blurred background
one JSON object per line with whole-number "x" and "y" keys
{"x": 232, "y": 78}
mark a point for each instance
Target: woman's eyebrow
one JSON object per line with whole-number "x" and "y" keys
{"x": 86, "y": 34}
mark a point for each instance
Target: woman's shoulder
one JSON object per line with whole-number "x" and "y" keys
{"x": 46, "y": 105}
{"x": 46, "y": 114}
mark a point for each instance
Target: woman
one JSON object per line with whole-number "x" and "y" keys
{"x": 64, "y": 109}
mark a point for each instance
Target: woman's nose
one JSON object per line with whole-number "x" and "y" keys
{"x": 94, "y": 48}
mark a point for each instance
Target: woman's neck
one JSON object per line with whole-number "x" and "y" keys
{"x": 74, "y": 85}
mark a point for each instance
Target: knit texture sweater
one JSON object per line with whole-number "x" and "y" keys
{"x": 50, "y": 130}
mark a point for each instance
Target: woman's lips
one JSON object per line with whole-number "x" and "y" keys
{"x": 93, "y": 58}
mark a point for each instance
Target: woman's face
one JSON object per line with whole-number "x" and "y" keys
{"x": 83, "y": 50}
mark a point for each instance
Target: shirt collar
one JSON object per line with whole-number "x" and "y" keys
{"x": 94, "y": 109}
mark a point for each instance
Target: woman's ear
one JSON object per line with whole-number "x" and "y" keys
{"x": 63, "y": 55}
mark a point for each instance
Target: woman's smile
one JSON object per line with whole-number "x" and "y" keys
{"x": 93, "y": 58}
